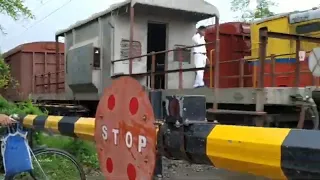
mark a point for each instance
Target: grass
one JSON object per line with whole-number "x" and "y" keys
{"x": 84, "y": 151}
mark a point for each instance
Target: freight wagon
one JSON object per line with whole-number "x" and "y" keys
{"x": 35, "y": 67}
{"x": 39, "y": 70}
{"x": 133, "y": 38}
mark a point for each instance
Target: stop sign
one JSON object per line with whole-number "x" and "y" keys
{"x": 125, "y": 133}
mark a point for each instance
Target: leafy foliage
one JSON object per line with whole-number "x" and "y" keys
{"x": 6, "y": 80}
{"x": 15, "y": 9}
{"x": 261, "y": 10}
{"x": 27, "y": 107}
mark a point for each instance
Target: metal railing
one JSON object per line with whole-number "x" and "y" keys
{"x": 243, "y": 63}
{"x": 152, "y": 72}
{"x": 254, "y": 75}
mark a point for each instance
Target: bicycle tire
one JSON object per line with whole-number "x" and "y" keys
{"x": 65, "y": 154}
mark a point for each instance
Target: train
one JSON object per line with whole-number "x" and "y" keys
{"x": 150, "y": 41}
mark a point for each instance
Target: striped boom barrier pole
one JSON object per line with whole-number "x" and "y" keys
{"x": 275, "y": 153}
{"x": 80, "y": 127}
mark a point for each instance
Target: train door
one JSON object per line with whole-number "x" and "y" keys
{"x": 157, "y": 41}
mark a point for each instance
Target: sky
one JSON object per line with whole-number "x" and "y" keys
{"x": 54, "y": 15}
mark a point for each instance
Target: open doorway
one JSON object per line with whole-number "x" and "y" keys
{"x": 157, "y": 37}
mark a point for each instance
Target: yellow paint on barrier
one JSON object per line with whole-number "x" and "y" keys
{"x": 247, "y": 149}
{"x": 84, "y": 128}
{"x": 52, "y": 123}
{"x": 28, "y": 121}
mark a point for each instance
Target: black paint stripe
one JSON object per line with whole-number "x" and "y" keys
{"x": 39, "y": 123}
{"x": 300, "y": 155}
{"x": 21, "y": 120}
{"x": 21, "y": 117}
{"x": 196, "y": 142}
{"x": 66, "y": 126}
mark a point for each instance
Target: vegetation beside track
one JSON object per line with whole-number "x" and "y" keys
{"x": 84, "y": 151}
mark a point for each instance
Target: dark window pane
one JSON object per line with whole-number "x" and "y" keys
{"x": 308, "y": 28}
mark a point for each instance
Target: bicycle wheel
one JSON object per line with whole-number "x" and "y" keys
{"x": 55, "y": 164}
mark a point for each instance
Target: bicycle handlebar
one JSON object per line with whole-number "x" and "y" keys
{"x": 15, "y": 118}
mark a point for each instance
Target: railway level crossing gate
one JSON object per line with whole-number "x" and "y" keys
{"x": 130, "y": 138}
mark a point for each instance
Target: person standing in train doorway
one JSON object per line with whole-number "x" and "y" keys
{"x": 199, "y": 55}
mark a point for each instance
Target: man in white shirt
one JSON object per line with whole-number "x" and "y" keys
{"x": 200, "y": 56}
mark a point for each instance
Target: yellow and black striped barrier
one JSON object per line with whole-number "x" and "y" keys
{"x": 276, "y": 153}
{"x": 65, "y": 125}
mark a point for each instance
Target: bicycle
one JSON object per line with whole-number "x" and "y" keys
{"x": 44, "y": 157}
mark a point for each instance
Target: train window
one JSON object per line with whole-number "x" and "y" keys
{"x": 96, "y": 57}
{"x": 308, "y": 28}
{"x": 183, "y": 54}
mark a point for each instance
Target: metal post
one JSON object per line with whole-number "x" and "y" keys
{"x": 211, "y": 68}
{"x": 262, "y": 55}
{"x": 153, "y": 70}
{"x": 241, "y": 77}
{"x": 49, "y": 82}
{"x": 43, "y": 83}
{"x": 273, "y": 69}
{"x": 131, "y": 38}
{"x": 298, "y": 66}
{"x": 263, "y": 37}
{"x": 180, "y": 68}
{"x": 34, "y": 79}
{"x": 217, "y": 62}
{"x": 57, "y": 63}
{"x": 158, "y": 168}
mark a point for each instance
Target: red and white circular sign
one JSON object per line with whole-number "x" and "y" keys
{"x": 125, "y": 133}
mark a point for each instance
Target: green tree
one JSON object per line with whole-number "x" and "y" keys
{"x": 5, "y": 75}
{"x": 261, "y": 10}
{"x": 15, "y": 9}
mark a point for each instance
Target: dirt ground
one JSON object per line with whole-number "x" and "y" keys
{"x": 180, "y": 170}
